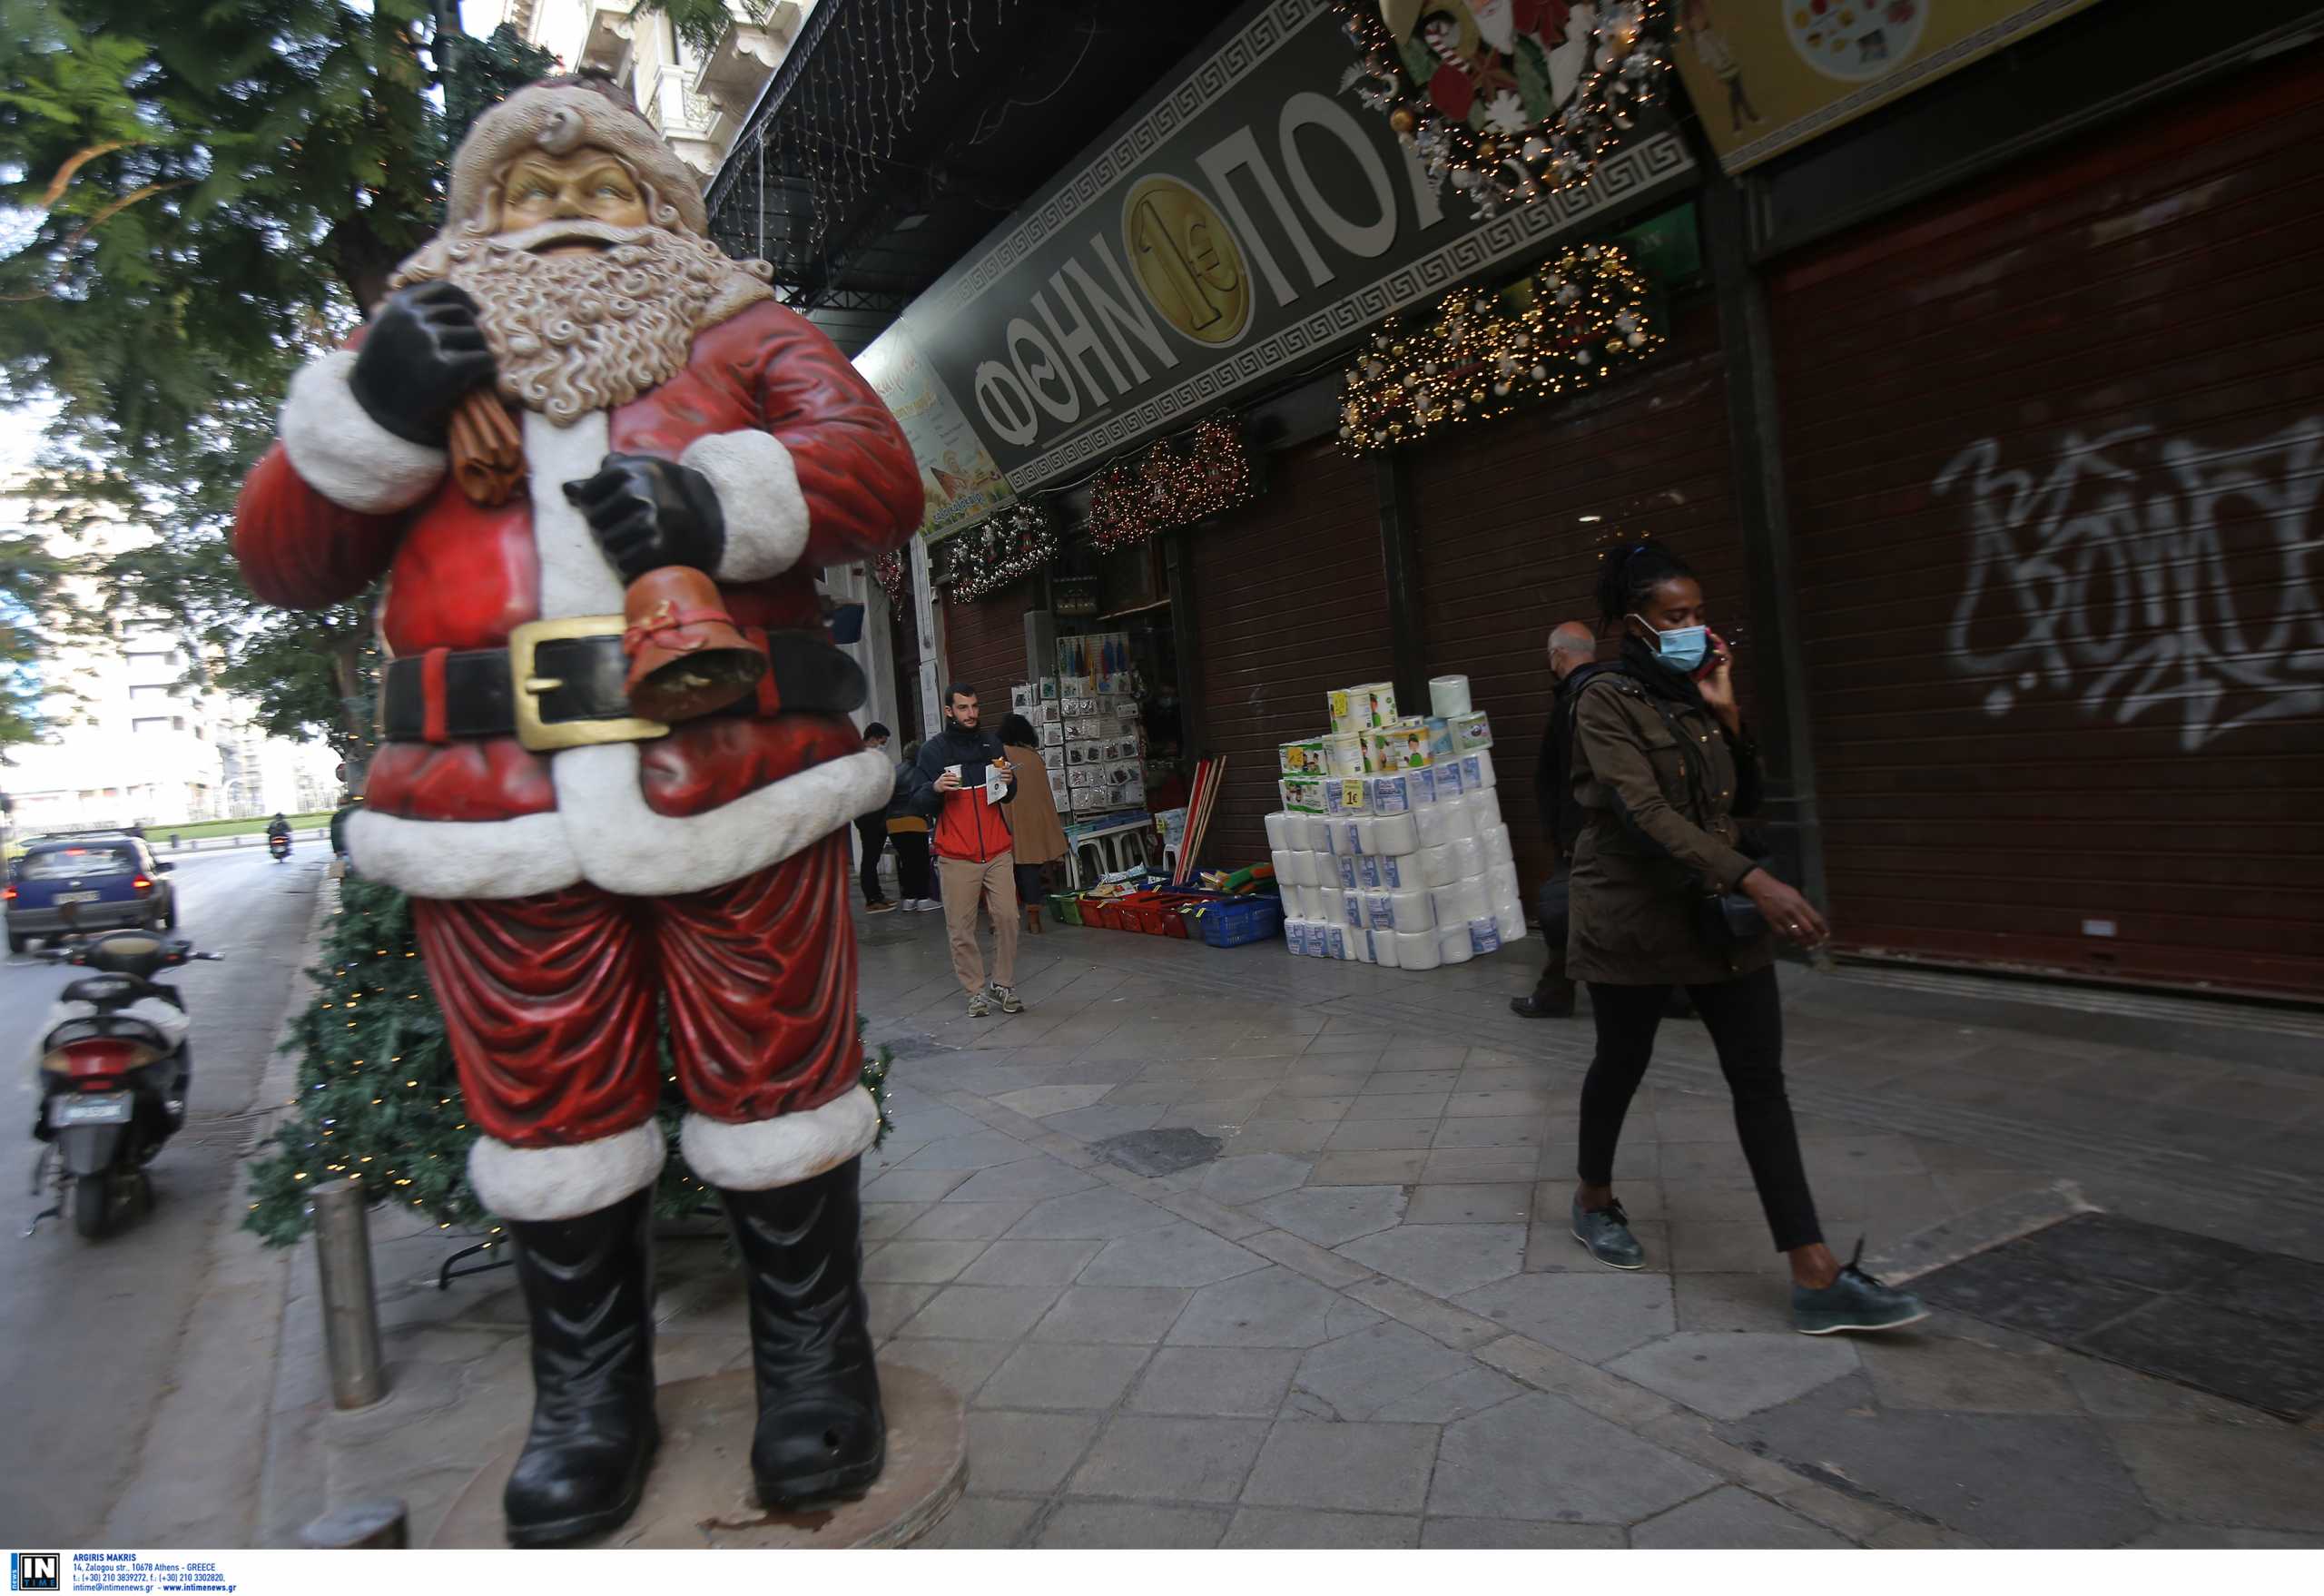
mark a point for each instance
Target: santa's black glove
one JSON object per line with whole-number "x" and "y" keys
{"x": 647, "y": 512}
{"x": 422, "y": 352}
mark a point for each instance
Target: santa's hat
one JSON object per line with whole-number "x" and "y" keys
{"x": 560, "y": 114}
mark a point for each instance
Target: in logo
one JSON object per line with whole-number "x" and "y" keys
{"x": 1186, "y": 261}
{"x": 35, "y": 1570}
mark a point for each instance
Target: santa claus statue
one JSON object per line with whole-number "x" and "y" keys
{"x": 582, "y": 874}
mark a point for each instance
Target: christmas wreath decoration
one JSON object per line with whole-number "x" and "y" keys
{"x": 1007, "y": 545}
{"x": 1171, "y": 485}
{"x": 890, "y": 570}
{"x": 1576, "y": 321}
{"x": 1473, "y": 91}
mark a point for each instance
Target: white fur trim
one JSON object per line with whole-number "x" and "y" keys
{"x": 758, "y": 494}
{"x": 565, "y": 1183}
{"x": 625, "y": 848}
{"x": 576, "y": 578}
{"x": 782, "y": 1151}
{"x": 344, "y": 455}
{"x": 463, "y": 858}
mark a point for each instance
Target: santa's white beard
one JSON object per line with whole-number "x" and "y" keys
{"x": 574, "y": 333}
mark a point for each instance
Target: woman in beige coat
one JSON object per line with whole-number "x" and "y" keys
{"x": 1039, "y": 834}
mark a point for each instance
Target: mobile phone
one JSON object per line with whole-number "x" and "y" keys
{"x": 1718, "y": 651}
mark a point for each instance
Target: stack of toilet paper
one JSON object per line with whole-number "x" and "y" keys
{"x": 1410, "y": 870}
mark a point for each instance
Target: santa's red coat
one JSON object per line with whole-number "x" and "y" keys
{"x": 811, "y": 470}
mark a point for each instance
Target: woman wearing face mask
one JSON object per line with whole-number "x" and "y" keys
{"x": 1661, "y": 769}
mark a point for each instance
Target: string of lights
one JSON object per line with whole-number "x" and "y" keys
{"x": 1168, "y": 486}
{"x": 1577, "y": 320}
{"x": 1006, "y": 547}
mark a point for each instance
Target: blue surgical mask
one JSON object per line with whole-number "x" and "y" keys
{"x": 1683, "y": 648}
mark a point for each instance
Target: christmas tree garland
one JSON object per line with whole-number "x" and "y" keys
{"x": 380, "y": 1098}
{"x": 1518, "y": 148}
{"x": 1171, "y": 485}
{"x": 1581, "y": 318}
{"x": 1006, "y": 547}
{"x": 891, "y": 570}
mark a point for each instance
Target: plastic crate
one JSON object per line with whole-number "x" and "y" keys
{"x": 1230, "y": 922}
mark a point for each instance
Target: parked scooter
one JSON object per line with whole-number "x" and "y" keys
{"x": 113, "y": 1074}
{"x": 279, "y": 845}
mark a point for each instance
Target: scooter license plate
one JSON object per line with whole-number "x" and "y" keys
{"x": 78, "y": 897}
{"x": 91, "y": 1108}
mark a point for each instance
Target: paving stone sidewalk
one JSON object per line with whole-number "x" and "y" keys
{"x": 1365, "y": 1323}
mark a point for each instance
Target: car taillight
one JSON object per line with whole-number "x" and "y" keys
{"x": 142, "y": 883}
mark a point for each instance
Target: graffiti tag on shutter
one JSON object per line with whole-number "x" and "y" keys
{"x": 2103, "y": 573}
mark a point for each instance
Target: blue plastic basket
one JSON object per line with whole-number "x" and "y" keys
{"x": 1233, "y": 922}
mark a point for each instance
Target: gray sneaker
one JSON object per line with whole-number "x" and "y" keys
{"x": 1009, "y": 1001}
{"x": 1606, "y": 1232}
{"x": 978, "y": 1005}
{"x": 1853, "y": 1301}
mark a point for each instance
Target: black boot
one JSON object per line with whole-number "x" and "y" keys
{"x": 821, "y": 1433}
{"x": 1549, "y": 999}
{"x": 588, "y": 1289}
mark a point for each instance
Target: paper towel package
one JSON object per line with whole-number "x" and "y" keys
{"x": 1417, "y": 950}
{"x": 1303, "y": 758}
{"x": 1496, "y": 840}
{"x": 1451, "y": 782}
{"x": 1351, "y": 909}
{"x": 1392, "y": 870}
{"x": 1347, "y": 795}
{"x": 1440, "y": 740}
{"x": 1509, "y": 919}
{"x": 1278, "y": 827}
{"x": 1484, "y": 937}
{"x": 1384, "y": 949}
{"x": 1404, "y": 746}
{"x": 1477, "y": 772}
{"x": 1391, "y": 794}
{"x": 1343, "y": 753}
{"x": 1302, "y": 794}
{"x": 1348, "y": 877}
{"x": 1314, "y": 831}
{"x": 1379, "y": 704}
{"x": 1452, "y": 945}
{"x": 1396, "y": 833}
{"x": 1448, "y": 696}
{"x": 1433, "y": 825}
{"x": 1378, "y": 911}
{"x": 1435, "y": 866}
{"x": 1338, "y": 935}
{"x": 1409, "y": 910}
{"x": 1283, "y": 869}
{"x": 1466, "y": 819}
{"x": 1367, "y": 870}
{"x": 1472, "y": 856}
{"x": 1295, "y": 936}
{"x": 1471, "y": 732}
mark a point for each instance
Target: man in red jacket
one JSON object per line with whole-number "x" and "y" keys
{"x": 975, "y": 846}
{"x": 585, "y": 881}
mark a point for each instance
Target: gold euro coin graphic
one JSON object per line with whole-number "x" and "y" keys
{"x": 1186, "y": 261}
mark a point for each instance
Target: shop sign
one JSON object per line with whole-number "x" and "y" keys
{"x": 1245, "y": 221}
{"x": 1073, "y": 596}
{"x": 1767, "y": 74}
{"x": 956, "y": 472}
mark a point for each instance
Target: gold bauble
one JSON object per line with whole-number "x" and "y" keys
{"x": 1402, "y": 119}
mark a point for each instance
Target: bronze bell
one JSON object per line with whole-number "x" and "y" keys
{"x": 686, "y": 656}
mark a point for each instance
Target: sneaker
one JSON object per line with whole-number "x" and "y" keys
{"x": 881, "y": 908}
{"x": 930, "y": 905}
{"x": 978, "y": 1006}
{"x": 1853, "y": 1301}
{"x": 1010, "y": 1003}
{"x": 1606, "y": 1233}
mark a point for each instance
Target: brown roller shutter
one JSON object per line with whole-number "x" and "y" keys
{"x": 984, "y": 645}
{"x": 1290, "y": 603}
{"x": 2054, "y": 449}
{"x": 1504, "y": 555}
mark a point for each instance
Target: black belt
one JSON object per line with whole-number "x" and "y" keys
{"x": 560, "y": 684}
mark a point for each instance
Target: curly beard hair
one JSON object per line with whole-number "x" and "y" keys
{"x": 574, "y": 333}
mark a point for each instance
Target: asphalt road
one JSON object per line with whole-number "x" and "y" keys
{"x": 90, "y": 1333}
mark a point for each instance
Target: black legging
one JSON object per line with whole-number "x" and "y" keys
{"x": 1744, "y": 1019}
{"x": 912, "y": 883}
{"x": 872, "y": 831}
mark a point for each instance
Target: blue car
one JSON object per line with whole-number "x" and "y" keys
{"x": 107, "y": 882}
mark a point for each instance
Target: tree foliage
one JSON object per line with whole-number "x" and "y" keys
{"x": 209, "y": 194}
{"x": 28, "y": 578}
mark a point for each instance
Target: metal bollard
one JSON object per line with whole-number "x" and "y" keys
{"x": 379, "y": 1524}
{"x": 350, "y": 1315}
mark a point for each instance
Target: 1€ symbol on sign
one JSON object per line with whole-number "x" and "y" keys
{"x": 1186, "y": 261}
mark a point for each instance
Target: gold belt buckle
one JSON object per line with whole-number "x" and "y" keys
{"x": 542, "y": 736}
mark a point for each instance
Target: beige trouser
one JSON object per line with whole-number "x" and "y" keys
{"x": 993, "y": 883}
